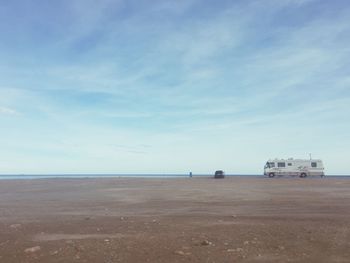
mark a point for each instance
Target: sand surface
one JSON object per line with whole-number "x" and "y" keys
{"x": 175, "y": 220}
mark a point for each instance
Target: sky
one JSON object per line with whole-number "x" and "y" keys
{"x": 114, "y": 86}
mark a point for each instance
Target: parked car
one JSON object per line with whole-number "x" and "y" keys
{"x": 219, "y": 174}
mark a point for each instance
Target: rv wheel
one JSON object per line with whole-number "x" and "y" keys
{"x": 303, "y": 175}
{"x": 271, "y": 175}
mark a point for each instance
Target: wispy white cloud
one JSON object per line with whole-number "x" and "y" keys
{"x": 8, "y": 111}
{"x": 203, "y": 40}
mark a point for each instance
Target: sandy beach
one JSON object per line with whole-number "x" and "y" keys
{"x": 238, "y": 219}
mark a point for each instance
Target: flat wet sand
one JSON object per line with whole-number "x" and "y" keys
{"x": 238, "y": 219}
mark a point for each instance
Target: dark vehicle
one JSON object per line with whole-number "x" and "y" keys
{"x": 219, "y": 174}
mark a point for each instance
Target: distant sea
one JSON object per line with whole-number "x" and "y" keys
{"x": 96, "y": 176}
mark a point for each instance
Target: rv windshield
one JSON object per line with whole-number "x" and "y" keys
{"x": 269, "y": 165}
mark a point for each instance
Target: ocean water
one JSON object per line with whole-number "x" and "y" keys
{"x": 150, "y": 176}
{"x": 96, "y": 176}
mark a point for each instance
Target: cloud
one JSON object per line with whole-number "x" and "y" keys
{"x": 8, "y": 111}
{"x": 204, "y": 40}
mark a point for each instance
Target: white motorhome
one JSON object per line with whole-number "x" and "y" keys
{"x": 294, "y": 167}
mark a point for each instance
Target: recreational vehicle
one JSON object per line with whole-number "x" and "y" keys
{"x": 294, "y": 167}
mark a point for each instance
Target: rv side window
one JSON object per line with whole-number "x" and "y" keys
{"x": 281, "y": 164}
{"x": 289, "y": 164}
{"x": 313, "y": 164}
{"x": 272, "y": 165}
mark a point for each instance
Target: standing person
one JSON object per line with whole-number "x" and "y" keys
{"x": 190, "y": 174}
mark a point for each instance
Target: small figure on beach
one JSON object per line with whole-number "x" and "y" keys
{"x": 190, "y": 174}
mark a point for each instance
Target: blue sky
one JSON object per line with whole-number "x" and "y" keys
{"x": 172, "y": 86}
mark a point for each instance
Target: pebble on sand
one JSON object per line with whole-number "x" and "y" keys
{"x": 206, "y": 243}
{"x": 32, "y": 249}
{"x": 181, "y": 253}
{"x": 239, "y": 249}
{"x": 15, "y": 226}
